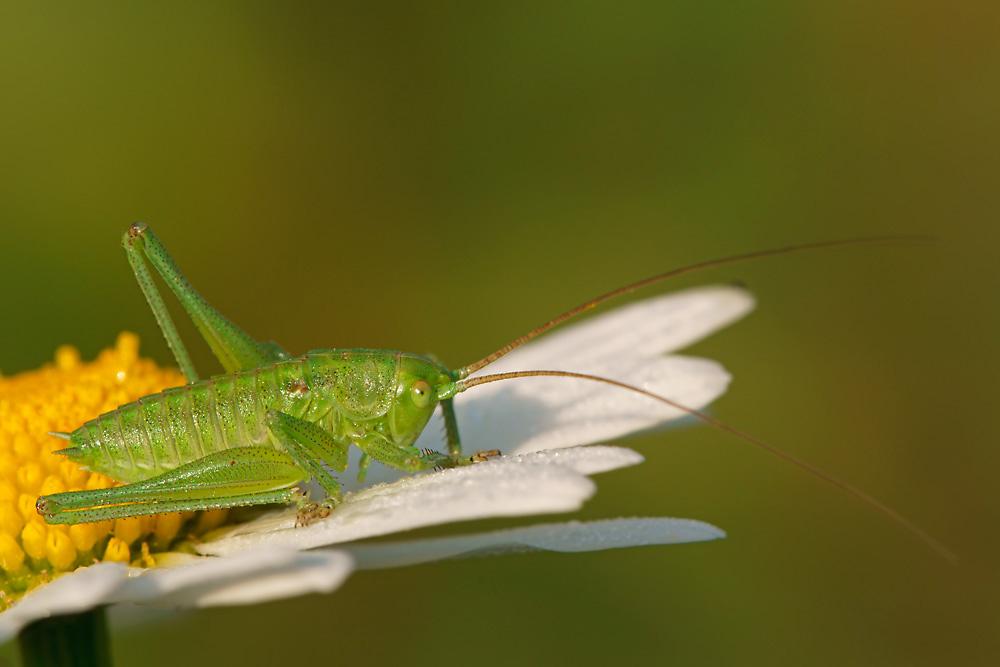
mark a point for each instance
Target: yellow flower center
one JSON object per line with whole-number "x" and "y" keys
{"x": 61, "y": 397}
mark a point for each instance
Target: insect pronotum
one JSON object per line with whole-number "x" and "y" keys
{"x": 249, "y": 436}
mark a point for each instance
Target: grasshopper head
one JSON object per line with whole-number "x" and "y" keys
{"x": 419, "y": 388}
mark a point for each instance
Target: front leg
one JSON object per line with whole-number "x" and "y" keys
{"x": 451, "y": 427}
{"x": 411, "y": 459}
{"x": 454, "y": 443}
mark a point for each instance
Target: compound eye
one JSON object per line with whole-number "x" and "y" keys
{"x": 420, "y": 394}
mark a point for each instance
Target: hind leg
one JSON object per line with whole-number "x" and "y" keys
{"x": 229, "y": 478}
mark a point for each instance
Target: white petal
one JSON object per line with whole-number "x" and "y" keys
{"x": 243, "y": 578}
{"x": 538, "y": 483}
{"x": 198, "y": 582}
{"x": 563, "y": 537}
{"x": 642, "y": 330}
{"x": 69, "y": 594}
{"x": 529, "y": 414}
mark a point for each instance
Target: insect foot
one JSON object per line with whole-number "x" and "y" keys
{"x": 483, "y": 456}
{"x": 312, "y": 512}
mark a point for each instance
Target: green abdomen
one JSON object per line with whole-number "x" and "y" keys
{"x": 162, "y": 431}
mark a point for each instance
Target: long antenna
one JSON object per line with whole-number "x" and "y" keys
{"x": 893, "y": 515}
{"x": 466, "y": 371}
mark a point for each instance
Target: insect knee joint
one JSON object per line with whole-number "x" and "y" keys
{"x": 136, "y": 229}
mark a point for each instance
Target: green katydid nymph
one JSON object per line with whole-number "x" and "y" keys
{"x": 272, "y": 421}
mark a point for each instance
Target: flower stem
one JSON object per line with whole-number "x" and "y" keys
{"x": 77, "y": 640}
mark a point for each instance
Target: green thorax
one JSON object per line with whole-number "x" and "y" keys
{"x": 395, "y": 392}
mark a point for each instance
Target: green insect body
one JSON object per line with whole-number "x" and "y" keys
{"x": 249, "y": 436}
{"x": 368, "y": 397}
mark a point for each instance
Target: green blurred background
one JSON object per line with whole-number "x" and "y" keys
{"x": 444, "y": 177}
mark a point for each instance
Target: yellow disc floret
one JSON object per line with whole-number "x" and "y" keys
{"x": 60, "y": 397}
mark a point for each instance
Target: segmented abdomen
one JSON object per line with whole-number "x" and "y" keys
{"x": 161, "y": 431}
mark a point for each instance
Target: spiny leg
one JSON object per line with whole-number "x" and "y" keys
{"x": 227, "y": 478}
{"x": 411, "y": 459}
{"x": 234, "y": 348}
{"x": 314, "y": 450}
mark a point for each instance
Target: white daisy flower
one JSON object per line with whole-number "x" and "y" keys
{"x": 538, "y": 423}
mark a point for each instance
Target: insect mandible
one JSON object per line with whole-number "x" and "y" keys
{"x": 251, "y": 435}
